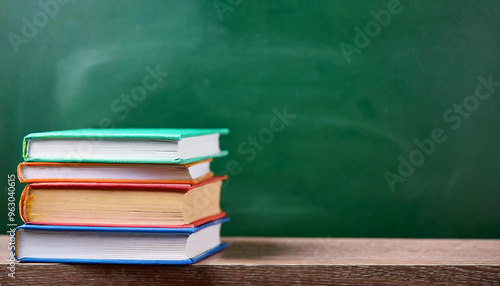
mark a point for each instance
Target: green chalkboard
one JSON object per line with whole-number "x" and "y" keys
{"x": 347, "y": 118}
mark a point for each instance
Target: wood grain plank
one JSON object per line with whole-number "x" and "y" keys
{"x": 286, "y": 261}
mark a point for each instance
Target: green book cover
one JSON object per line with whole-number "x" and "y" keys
{"x": 160, "y": 134}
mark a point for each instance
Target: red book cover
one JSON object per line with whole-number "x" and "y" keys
{"x": 183, "y": 188}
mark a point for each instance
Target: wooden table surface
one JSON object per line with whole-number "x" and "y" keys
{"x": 287, "y": 261}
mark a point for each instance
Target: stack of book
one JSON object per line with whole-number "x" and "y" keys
{"x": 141, "y": 196}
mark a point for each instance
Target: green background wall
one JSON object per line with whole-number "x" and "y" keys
{"x": 238, "y": 65}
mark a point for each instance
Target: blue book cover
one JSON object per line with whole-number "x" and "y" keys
{"x": 187, "y": 231}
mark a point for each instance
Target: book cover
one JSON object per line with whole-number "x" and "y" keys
{"x": 166, "y": 134}
{"x": 190, "y": 230}
{"x": 183, "y": 188}
{"x": 21, "y": 166}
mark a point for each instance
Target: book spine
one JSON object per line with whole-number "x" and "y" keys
{"x": 20, "y": 173}
{"x": 22, "y": 204}
{"x": 25, "y": 148}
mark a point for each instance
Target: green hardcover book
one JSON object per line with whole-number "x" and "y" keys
{"x": 162, "y": 146}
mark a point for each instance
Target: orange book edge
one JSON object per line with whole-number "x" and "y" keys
{"x": 48, "y": 180}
